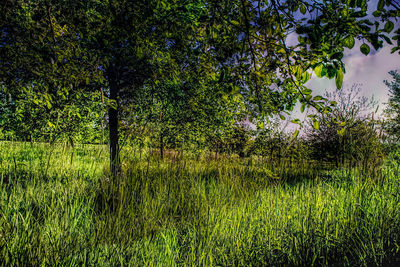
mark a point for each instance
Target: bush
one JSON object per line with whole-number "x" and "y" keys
{"x": 349, "y": 134}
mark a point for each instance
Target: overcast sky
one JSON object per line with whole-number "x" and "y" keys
{"x": 368, "y": 71}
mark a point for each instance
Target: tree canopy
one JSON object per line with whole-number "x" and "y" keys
{"x": 258, "y": 54}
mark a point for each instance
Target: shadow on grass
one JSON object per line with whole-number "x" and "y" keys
{"x": 148, "y": 197}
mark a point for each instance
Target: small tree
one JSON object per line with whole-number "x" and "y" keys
{"x": 348, "y": 134}
{"x": 392, "y": 110}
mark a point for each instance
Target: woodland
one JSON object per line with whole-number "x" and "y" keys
{"x": 184, "y": 133}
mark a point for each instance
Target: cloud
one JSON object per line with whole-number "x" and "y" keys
{"x": 367, "y": 71}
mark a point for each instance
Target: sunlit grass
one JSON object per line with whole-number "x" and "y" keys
{"x": 58, "y": 206}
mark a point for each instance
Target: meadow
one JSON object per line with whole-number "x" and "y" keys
{"x": 58, "y": 206}
{"x": 199, "y": 133}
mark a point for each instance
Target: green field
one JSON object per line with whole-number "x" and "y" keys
{"x": 199, "y": 133}
{"x": 59, "y": 207}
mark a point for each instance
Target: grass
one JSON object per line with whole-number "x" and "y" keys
{"x": 58, "y": 206}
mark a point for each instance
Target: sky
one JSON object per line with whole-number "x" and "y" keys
{"x": 368, "y": 72}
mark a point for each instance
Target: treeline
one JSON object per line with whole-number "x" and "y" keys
{"x": 175, "y": 120}
{"x": 182, "y": 70}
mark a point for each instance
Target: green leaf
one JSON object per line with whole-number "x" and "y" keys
{"x": 295, "y": 134}
{"x": 326, "y": 110}
{"x": 305, "y": 77}
{"x": 214, "y": 34}
{"x": 303, "y": 9}
{"x": 318, "y": 70}
{"x": 359, "y": 14}
{"x": 296, "y": 121}
{"x": 48, "y": 104}
{"x": 349, "y": 42}
{"x": 377, "y": 14}
{"x": 387, "y": 39}
{"x": 298, "y": 72}
{"x": 341, "y": 131}
{"x": 337, "y": 55}
{"x": 312, "y": 116}
{"x": 381, "y": 4}
{"x": 339, "y": 79}
{"x": 317, "y": 98}
{"x": 316, "y": 125}
{"x": 51, "y": 125}
{"x": 389, "y": 26}
{"x": 364, "y": 48}
{"x": 331, "y": 72}
{"x": 213, "y": 75}
{"x": 139, "y": 53}
{"x": 303, "y": 106}
{"x": 282, "y": 117}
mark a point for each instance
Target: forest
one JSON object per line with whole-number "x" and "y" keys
{"x": 186, "y": 133}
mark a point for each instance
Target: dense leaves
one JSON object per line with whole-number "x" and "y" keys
{"x": 392, "y": 110}
{"x": 240, "y": 51}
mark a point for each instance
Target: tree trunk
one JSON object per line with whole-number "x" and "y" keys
{"x": 113, "y": 122}
{"x": 161, "y": 145}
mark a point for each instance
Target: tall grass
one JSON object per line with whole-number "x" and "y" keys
{"x": 58, "y": 206}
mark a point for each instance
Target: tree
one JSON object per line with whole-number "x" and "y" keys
{"x": 347, "y": 135}
{"x": 74, "y": 47}
{"x": 275, "y": 142}
{"x": 70, "y": 45}
{"x": 392, "y": 110}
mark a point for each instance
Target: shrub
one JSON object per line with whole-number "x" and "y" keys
{"x": 349, "y": 134}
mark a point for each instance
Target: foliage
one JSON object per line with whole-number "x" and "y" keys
{"x": 240, "y": 45}
{"x": 31, "y": 116}
{"x": 7, "y": 109}
{"x": 235, "y": 139}
{"x": 275, "y": 143}
{"x": 392, "y": 110}
{"x": 189, "y": 76}
{"x": 349, "y": 134}
{"x": 80, "y": 47}
{"x": 175, "y": 115}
